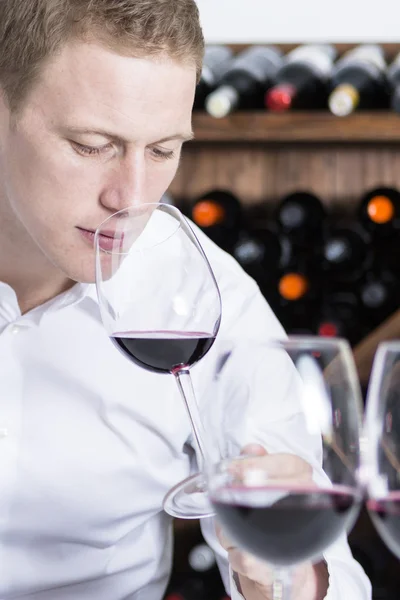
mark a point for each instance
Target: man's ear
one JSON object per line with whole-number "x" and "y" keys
{"x": 6, "y": 121}
{"x": 5, "y": 112}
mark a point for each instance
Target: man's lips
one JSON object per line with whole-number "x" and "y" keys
{"x": 107, "y": 234}
{"x": 108, "y": 241}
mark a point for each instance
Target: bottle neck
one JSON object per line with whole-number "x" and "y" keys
{"x": 222, "y": 102}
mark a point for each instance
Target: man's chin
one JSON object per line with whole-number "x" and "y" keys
{"x": 87, "y": 275}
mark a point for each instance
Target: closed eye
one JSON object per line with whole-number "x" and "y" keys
{"x": 90, "y": 150}
{"x": 163, "y": 154}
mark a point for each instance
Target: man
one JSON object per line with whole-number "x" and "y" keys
{"x": 96, "y": 99}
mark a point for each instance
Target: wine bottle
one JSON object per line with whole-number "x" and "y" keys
{"x": 379, "y": 212}
{"x": 339, "y": 316}
{"x": 302, "y": 80}
{"x": 359, "y": 81}
{"x": 346, "y": 252}
{"x": 244, "y": 84}
{"x": 202, "y": 581}
{"x": 294, "y": 286}
{"x": 262, "y": 253}
{"x": 215, "y": 64}
{"x": 301, "y": 216}
{"x": 379, "y": 295}
{"x": 219, "y": 214}
{"x": 393, "y": 76}
{"x": 299, "y": 295}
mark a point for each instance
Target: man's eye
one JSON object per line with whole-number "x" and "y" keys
{"x": 164, "y": 154}
{"x": 90, "y": 150}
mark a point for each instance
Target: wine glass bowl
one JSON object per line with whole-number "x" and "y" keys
{"x": 382, "y": 452}
{"x": 159, "y": 300}
{"x": 301, "y": 401}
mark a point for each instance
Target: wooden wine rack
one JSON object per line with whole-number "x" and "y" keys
{"x": 261, "y": 157}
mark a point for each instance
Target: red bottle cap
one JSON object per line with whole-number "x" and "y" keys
{"x": 328, "y": 330}
{"x": 280, "y": 98}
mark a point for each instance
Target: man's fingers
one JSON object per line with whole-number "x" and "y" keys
{"x": 225, "y": 542}
{"x": 251, "y": 567}
{"x": 254, "y": 450}
{"x": 275, "y": 466}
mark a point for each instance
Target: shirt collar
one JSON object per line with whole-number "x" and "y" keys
{"x": 10, "y": 310}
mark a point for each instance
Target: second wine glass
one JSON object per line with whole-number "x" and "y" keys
{"x": 161, "y": 306}
{"x": 382, "y": 451}
{"x": 299, "y": 398}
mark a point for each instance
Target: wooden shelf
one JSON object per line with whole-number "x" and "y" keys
{"x": 364, "y": 352}
{"x": 299, "y": 127}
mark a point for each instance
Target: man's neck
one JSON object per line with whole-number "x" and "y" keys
{"x": 31, "y": 275}
{"x": 33, "y": 291}
{"x": 28, "y": 299}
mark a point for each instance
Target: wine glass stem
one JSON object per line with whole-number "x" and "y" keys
{"x": 281, "y": 587}
{"x": 184, "y": 381}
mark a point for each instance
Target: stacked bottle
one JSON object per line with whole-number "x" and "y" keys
{"x": 202, "y": 581}
{"x": 245, "y": 82}
{"x": 215, "y": 64}
{"x": 321, "y": 274}
{"x": 358, "y": 81}
{"x": 302, "y": 80}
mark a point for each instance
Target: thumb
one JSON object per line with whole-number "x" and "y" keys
{"x": 254, "y": 450}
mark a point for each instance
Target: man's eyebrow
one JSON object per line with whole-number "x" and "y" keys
{"x": 99, "y": 131}
{"x": 179, "y": 136}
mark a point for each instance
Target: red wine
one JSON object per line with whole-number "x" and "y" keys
{"x": 385, "y": 515}
{"x": 346, "y": 252}
{"x": 301, "y": 216}
{"x": 243, "y": 86}
{"x": 215, "y": 64}
{"x": 262, "y": 252}
{"x": 379, "y": 212}
{"x": 359, "y": 81}
{"x": 219, "y": 214}
{"x": 298, "y": 527}
{"x": 302, "y": 80}
{"x": 393, "y": 76}
{"x": 163, "y": 351}
{"x": 379, "y": 293}
{"x": 339, "y": 316}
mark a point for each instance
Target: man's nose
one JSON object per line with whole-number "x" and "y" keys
{"x": 126, "y": 185}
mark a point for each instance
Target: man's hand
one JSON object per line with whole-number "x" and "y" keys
{"x": 256, "y": 577}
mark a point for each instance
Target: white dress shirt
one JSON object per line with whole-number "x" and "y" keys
{"x": 90, "y": 443}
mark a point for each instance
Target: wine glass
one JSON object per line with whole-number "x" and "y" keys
{"x": 299, "y": 396}
{"x": 161, "y": 306}
{"x": 382, "y": 450}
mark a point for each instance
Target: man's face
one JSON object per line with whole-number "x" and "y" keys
{"x": 97, "y": 133}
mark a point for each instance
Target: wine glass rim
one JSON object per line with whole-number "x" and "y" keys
{"x": 389, "y": 345}
{"x": 137, "y": 207}
{"x": 130, "y": 209}
{"x": 311, "y": 341}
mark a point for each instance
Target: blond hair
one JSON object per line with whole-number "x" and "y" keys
{"x": 32, "y": 31}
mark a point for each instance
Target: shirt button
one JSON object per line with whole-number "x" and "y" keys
{"x": 3, "y": 433}
{"x": 15, "y": 329}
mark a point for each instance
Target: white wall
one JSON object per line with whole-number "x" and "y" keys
{"x": 244, "y": 21}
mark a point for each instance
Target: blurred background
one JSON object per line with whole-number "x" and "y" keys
{"x": 295, "y": 171}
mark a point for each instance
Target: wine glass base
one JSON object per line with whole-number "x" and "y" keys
{"x": 189, "y": 499}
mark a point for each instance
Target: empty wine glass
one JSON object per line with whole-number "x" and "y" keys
{"x": 160, "y": 305}
{"x": 300, "y": 399}
{"x": 382, "y": 450}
